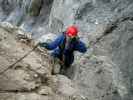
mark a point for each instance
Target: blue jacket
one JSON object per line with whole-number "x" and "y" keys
{"x": 68, "y": 52}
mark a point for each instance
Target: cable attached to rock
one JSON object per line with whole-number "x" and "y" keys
{"x": 19, "y": 59}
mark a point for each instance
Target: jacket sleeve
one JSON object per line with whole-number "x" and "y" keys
{"x": 81, "y": 47}
{"x": 55, "y": 43}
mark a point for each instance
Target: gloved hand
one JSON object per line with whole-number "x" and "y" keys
{"x": 44, "y": 44}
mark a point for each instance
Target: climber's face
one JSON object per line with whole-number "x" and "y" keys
{"x": 70, "y": 38}
{"x": 67, "y": 38}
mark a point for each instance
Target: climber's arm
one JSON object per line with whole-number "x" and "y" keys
{"x": 81, "y": 47}
{"x": 53, "y": 44}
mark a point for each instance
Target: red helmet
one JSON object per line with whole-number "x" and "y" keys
{"x": 72, "y": 31}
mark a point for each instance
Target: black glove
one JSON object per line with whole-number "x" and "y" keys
{"x": 44, "y": 44}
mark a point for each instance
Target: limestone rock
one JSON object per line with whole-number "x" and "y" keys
{"x": 23, "y": 96}
{"x": 65, "y": 86}
{"x": 20, "y": 76}
{"x": 45, "y": 90}
{"x": 103, "y": 73}
{"x": 35, "y": 7}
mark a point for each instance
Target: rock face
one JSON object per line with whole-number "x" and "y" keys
{"x": 25, "y": 73}
{"x": 105, "y": 71}
{"x": 30, "y": 15}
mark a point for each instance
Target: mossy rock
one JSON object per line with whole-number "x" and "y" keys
{"x": 35, "y": 7}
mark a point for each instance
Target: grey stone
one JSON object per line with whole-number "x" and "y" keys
{"x": 105, "y": 71}
{"x": 45, "y": 90}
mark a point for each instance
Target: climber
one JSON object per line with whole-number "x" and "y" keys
{"x": 65, "y": 45}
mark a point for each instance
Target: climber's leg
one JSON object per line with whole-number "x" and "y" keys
{"x": 56, "y": 66}
{"x": 64, "y": 68}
